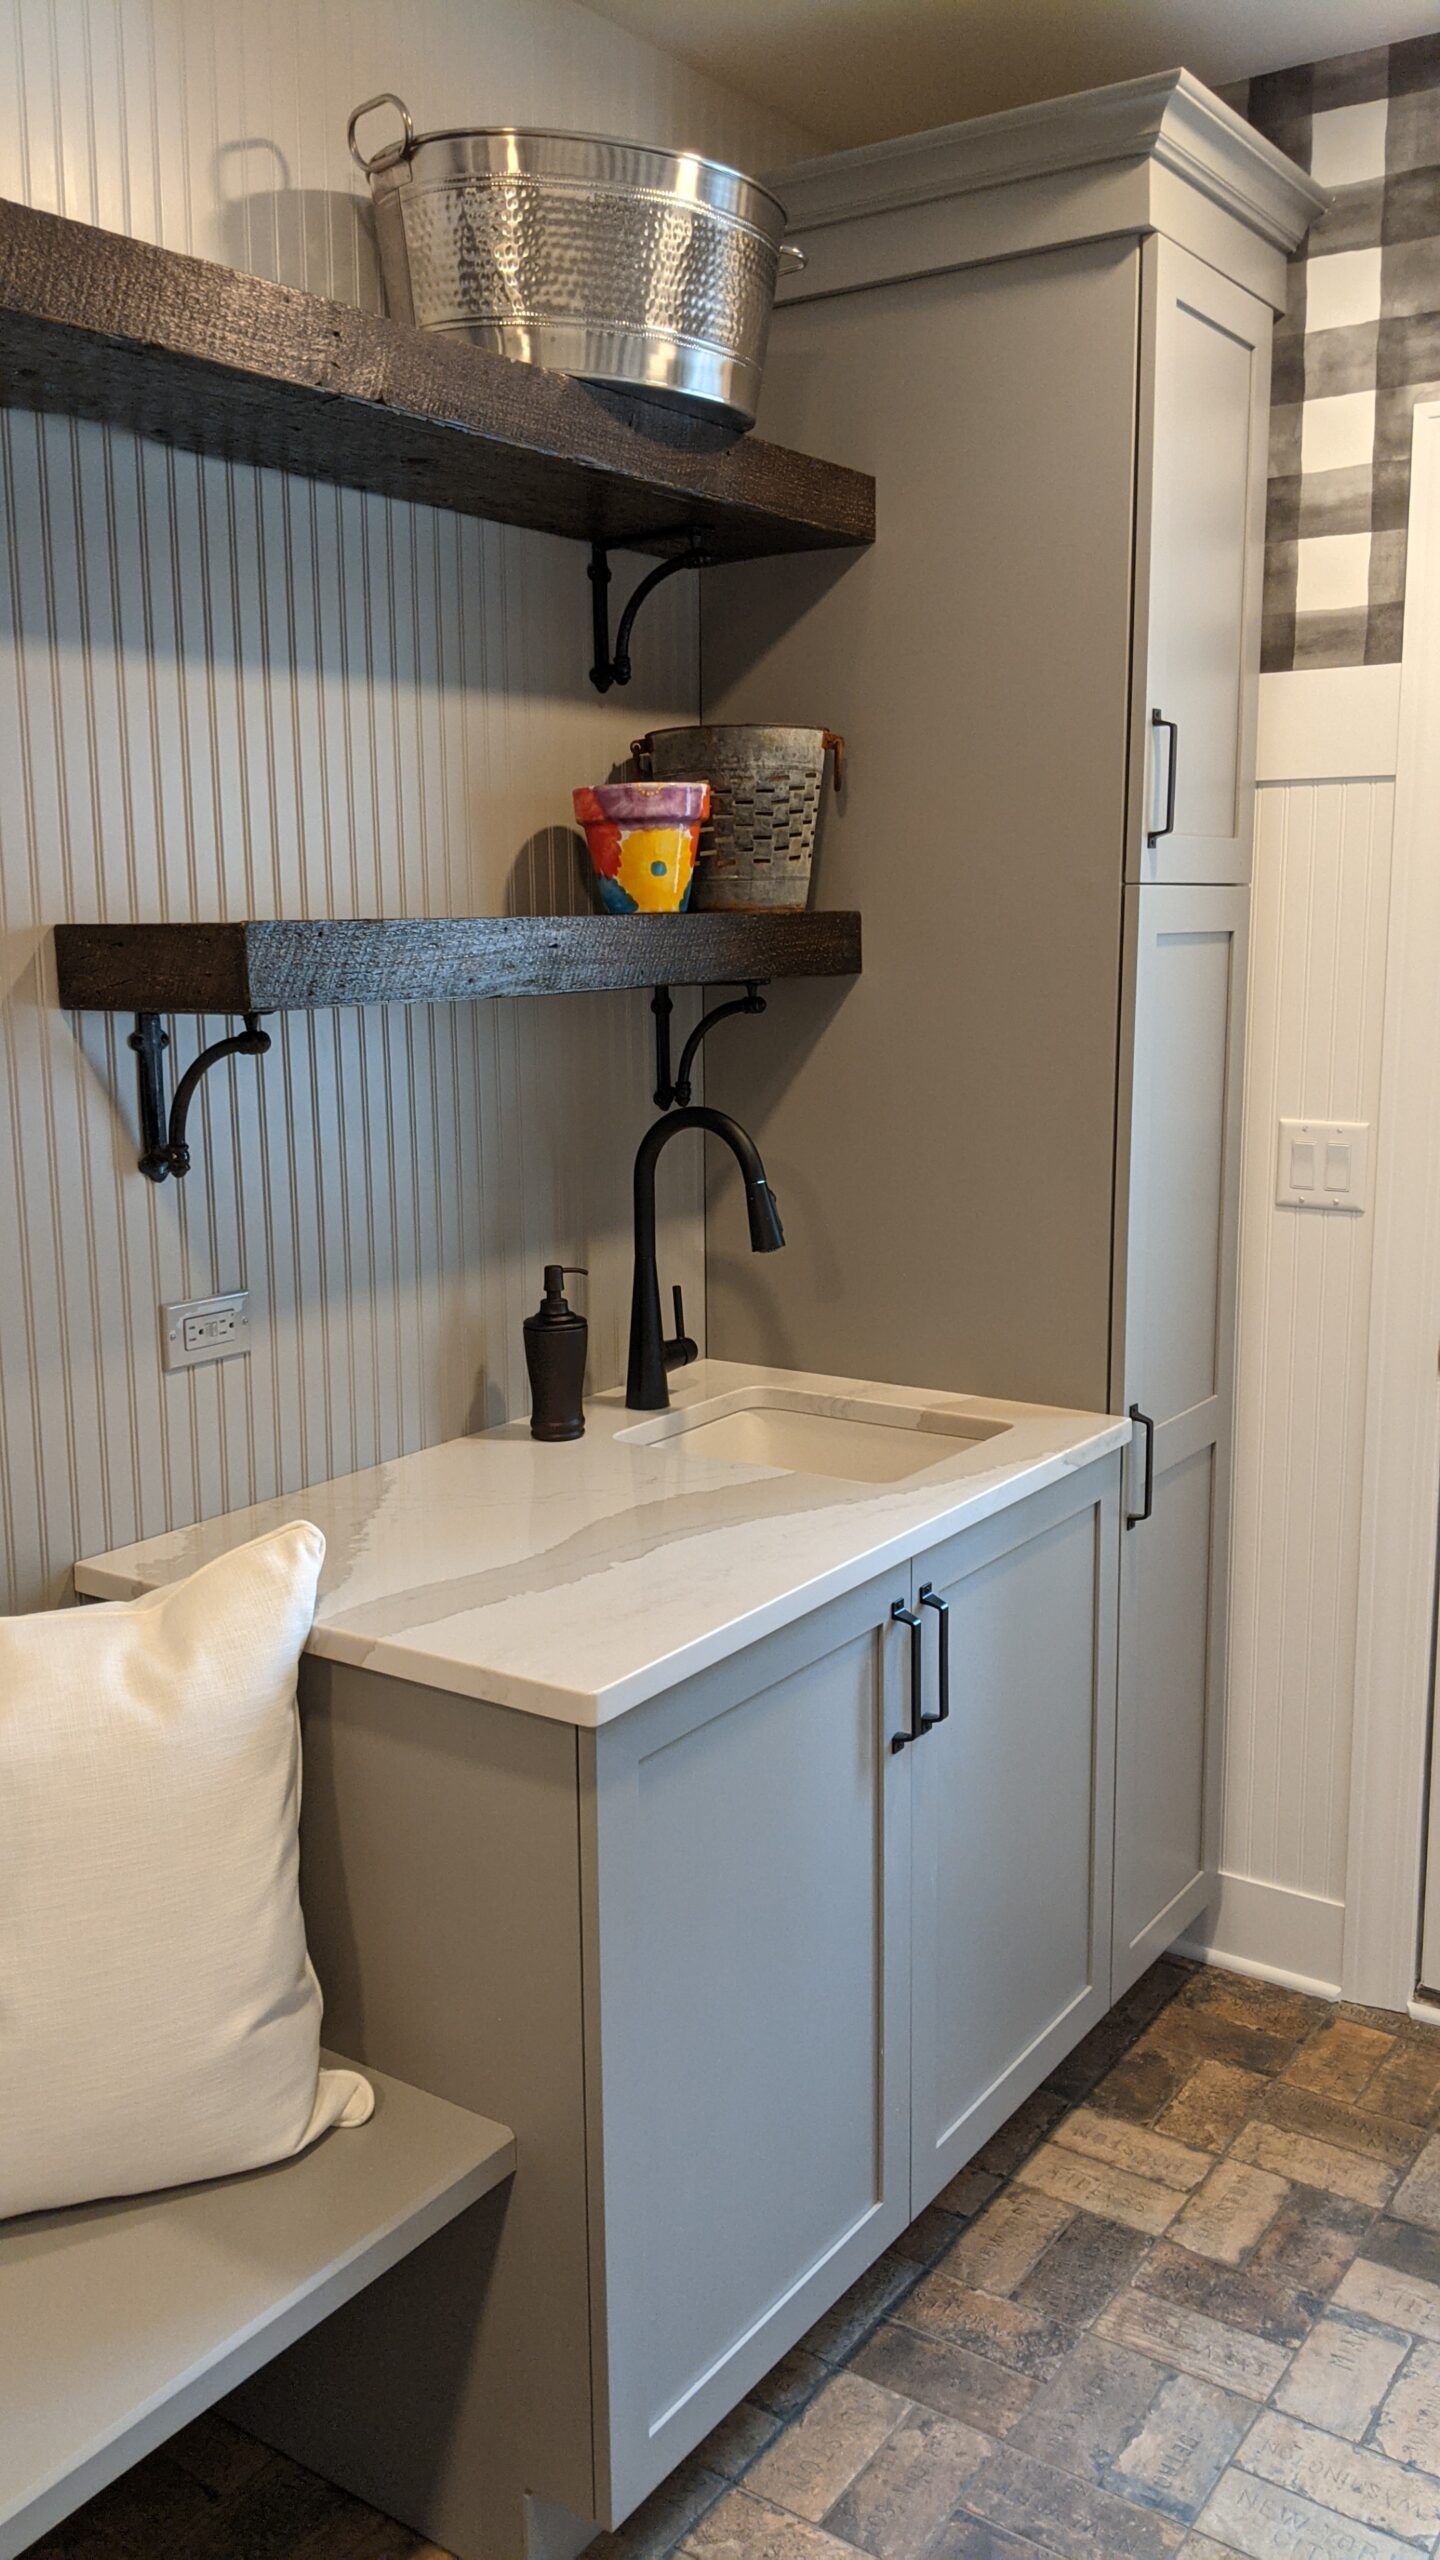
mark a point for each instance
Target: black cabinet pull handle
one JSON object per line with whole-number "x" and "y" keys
{"x": 1158, "y": 721}
{"x": 903, "y": 1617}
{"x": 1147, "y": 1424}
{"x": 930, "y": 1599}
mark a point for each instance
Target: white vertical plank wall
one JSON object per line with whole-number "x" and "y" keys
{"x": 223, "y": 692}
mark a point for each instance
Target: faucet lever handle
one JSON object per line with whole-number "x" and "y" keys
{"x": 680, "y": 1352}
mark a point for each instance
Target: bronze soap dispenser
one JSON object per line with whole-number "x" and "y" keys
{"x": 555, "y": 1346}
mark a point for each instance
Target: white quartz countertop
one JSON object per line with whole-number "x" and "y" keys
{"x": 577, "y": 1580}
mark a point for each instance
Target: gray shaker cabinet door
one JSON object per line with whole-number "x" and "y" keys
{"x": 1188, "y": 961}
{"x": 1012, "y": 1811}
{"x": 1205, "y": 411}
{"x": 745, "y": 1842}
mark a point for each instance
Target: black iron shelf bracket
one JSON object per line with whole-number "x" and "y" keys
{"x": 672, "y": 1092}
{"x": 612, "y": 667}
{"x": 166, "y": 1150}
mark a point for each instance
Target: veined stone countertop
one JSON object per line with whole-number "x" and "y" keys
{"x": 577, "y": 1580}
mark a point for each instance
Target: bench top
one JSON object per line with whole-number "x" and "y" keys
{"x": 121, "y": 2321}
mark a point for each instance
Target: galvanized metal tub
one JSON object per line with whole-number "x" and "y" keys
{"x": 650, "y": 271}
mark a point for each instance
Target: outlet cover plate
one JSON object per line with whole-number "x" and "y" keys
{"x": 196, "y": 1330}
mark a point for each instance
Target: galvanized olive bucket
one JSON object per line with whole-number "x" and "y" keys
{"x": 650, "y": 271}
{"x": 757, "y": 846}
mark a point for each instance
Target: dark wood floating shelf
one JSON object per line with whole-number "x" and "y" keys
{"x": 96, "y": 325}
{"x": 281, "y": 965}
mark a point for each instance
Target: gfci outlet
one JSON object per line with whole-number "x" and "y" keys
{"x": 205, "y": 1329}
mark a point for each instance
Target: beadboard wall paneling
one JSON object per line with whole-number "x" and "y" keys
{"x": 1320, "y": 903}
{"x": 223, "y": 692}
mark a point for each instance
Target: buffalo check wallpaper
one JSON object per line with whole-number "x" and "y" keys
{"x": 1359, "y": 345}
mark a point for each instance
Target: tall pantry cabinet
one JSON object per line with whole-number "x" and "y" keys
{"x": 1008, "y": 1153}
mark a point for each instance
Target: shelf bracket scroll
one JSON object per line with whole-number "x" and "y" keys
{"x": 165, "y": 1147}
{"x": 613, "y": 667}
{"x": 672, "y": 1091}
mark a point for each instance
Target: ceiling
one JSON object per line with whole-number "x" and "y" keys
{"x": 861, "y": 70}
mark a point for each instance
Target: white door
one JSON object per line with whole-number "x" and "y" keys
{"x": 1430, "y": 1935}
{"x": 1205, "y": 391}
{"x": 1175, "y": 1375}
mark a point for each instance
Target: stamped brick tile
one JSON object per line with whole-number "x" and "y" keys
{"x": 1253, "y": 2298}
{"x": 1178, "y": 2455}
{"x": 1418, "y": 2199}
{"x": 1404, "y": 2245}
{"x": 670, "y": 2512}
{"x": 1233, "y": 2209}
{"x": 1333, "y": 2120}
{"x": 1409, "y": 2423}
{"x": 1065, "y": 2514}
{"x": 790, "y": 2383}
{"x": 1340, "y": 2059}
{"x": 1083, "y": 2269}
{"x": 1083, "y": 2416}
{"x": 1198, "y": 2546}
{"x": 910, "y": 2486}
{"x": 742, "y": 2527}
{"x": 928, "y": 2236}
{"x": 1194, "y": 2343}
{"x": 1344, "y": 2478}
{"x": 1341, "y": 2374}
{"x": 1407, "y": 2086}
{"x": 859, "y": 2307}
{"x": 1002, "y": 2154}
{"x": 1002, "y": 2244}
{"x": 1138, "y": 2086}
{"x": 1252, "y": 2002}
{"x": 989, "y": 2324}
{"x": 731, "y": 2447}
{"x": 1310, "y": 2163}
{"x": 1122, "y": 2145}
{"x": 1312, "y": 2239}
{"x": 1253, "y": 2516}
{"x": 966, "y": 2538}
{"x": 1117, "y": 2195}
{"x": 1387, "y": 2294}
{"x": 968, "y": 2191}
{"x": 1192, "y": 2036}
{"x": 1212, "y": 2105}
{"x": 808, "y": 2467}
{"x": 949, "y": 2379}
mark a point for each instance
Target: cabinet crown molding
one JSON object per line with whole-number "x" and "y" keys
{"x": 1169, "y": 119}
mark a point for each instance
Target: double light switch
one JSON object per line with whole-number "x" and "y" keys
{"x": 1323, "y": 1164}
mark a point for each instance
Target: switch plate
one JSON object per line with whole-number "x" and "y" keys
{"x": 201, "y": 1329}
{"x": 1323, "y": 1164}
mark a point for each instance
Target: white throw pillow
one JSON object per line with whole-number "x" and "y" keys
{"x": 159, "y": 2015}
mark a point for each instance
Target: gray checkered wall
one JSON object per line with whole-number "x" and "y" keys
{"x": 1359, "y": 345}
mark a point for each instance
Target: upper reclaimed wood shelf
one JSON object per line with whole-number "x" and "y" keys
{"x": 279, "y": 965}
{"x": 96, "y": 325}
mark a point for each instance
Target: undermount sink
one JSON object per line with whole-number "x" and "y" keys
{"x": 861, "y": 1441}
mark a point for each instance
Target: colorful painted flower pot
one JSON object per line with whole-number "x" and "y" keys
{"x": 642, "y": 838}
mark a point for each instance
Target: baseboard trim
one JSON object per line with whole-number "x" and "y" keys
{"x": 1273, "y": 1933}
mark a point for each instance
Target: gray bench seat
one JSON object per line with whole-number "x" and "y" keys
{"x": 119, "y": 2322}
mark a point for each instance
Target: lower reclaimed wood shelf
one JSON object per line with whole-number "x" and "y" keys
{"x": 283, "y": 964}
{"x": 275, "y": 965}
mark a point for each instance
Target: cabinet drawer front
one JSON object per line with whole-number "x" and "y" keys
{"x": 1011, "y": 1812}
{"x": 747, "y": 1930}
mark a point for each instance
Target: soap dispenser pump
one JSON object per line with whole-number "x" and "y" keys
{"x": 555, "y": 1346}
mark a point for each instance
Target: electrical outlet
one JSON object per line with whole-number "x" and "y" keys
{"x": 200, "y": 1329}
